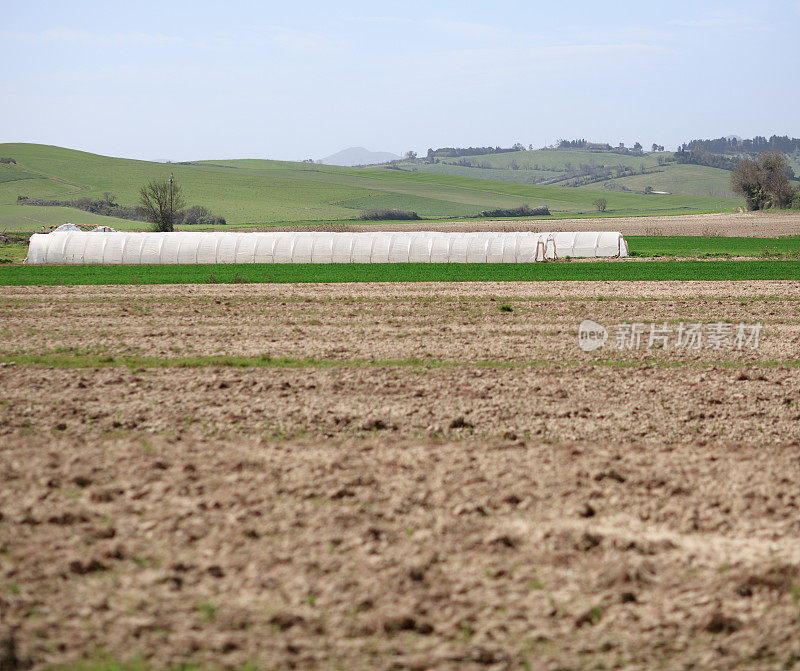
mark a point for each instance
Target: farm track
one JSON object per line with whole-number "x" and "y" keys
{"x": 743, "y": 224}
{"x": 629, "y": 508}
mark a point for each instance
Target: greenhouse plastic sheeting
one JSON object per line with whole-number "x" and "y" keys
{"x": 122, "y": 248}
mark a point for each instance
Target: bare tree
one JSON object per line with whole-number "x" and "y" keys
{"x": 159, "y": 202}
{"x": 600, "y": 204}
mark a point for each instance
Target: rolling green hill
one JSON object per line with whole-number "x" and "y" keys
{"x": 592, "y": 169}
{"x": 699, "y": 180}
{"x": 543, "y": 166}
{"x": 569, "y": 167}
{"x": 263, "y": 192}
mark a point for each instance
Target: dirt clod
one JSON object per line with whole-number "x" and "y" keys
{"x": 284, "y": 620}
{"x": 461, "y": 423}
{"x": 83, "y": 567}
{"x": 719, "y": 623}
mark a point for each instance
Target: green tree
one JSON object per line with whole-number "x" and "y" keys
{"x": 160, "y": 203}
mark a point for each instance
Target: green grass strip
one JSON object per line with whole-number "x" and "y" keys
{"x": 401, "y": 272}
{"x": 78, "y": 361}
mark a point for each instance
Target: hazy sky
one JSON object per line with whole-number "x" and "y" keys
{"x": 193, "y": 80}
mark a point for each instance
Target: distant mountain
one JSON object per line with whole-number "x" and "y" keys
{"x": 358, "y": 156}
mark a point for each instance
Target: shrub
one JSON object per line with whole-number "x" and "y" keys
{"x": 387, "y": 215}
{"x": 796, "y": 200}
{"x": 197, "y": 215}
{"x": 764, "y": 181}
{"x": 106, "y": 208}
{"x": 521, "y": 211}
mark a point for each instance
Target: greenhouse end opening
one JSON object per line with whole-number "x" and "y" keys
{"x": 75, "y": 247}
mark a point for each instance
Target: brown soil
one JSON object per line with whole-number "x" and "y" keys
{"x": 442, "y": 483}
{"x": 740, "y": 224}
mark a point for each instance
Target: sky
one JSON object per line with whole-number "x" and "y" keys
{"x": 202, "y": 80}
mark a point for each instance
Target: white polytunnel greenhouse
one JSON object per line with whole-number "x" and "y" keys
{"x": 122, "y": 248}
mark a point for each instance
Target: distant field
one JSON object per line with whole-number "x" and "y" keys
{"x": 683, "y": 178}
{"x": 401, "y": 272}
{"x": 261, "y": 192}
{"x": 535, "y": 166}
{"x": 558, "y": 158}
{"x": 675, "y": 179}
{"x": 531, "y": 167}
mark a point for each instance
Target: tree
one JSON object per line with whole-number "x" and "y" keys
{"x": 600, "y": 204}
{"x": 160, "y": 202}
{"x": 763, "y": 181}
{"x": 410, "y": 155}
{"x": 638, "y": 146}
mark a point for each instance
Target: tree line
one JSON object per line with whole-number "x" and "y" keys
{"x": 756, "y": 145}
{"x": 700, "y": 156}
{"x": 453, "y": 152}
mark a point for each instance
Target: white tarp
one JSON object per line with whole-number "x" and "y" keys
{"x": 79, "y": 248}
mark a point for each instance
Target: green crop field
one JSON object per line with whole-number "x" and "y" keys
{"x": 262, "y": 192}
{"x": 691, "y": 245}
{"x": 401, "y": 272}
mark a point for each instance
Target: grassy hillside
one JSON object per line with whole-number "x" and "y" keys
{"x": 262, "y": 192}
{"x": 561, "y": 166}
{"x": 565, "y": 167}
{"x": 540, "y": 165}
{"x": 27, "y": 218}
{"x": 673, "y": 178}
{"x": 699, "y": 180}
